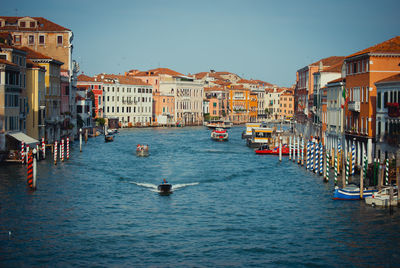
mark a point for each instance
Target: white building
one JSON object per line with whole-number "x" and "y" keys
{"x": 388, "y": 116}
{"x": 188, "y": 94}
{"x": 271, "y": 101}
{"x": 334, "y": 114}
{"x": 130, "y": 100}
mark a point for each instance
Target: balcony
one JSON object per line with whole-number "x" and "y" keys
{"x": 354, "y": 106}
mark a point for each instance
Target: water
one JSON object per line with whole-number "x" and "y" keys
{"x": 230, "y": 207}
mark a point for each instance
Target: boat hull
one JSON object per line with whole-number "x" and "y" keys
{"x": 142, "y": 153}
{"x": 343, "y": 194}
{"x": 165, "y": 188}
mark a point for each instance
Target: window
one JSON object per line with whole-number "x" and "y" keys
{"x": 59, "y": 40}
{"x": 31, "y": 39}
{"x": 41, "y": 39}
{"x": 17, "y": 39}
{"x": 22, "y": 24}
{"x": 379, "y": 100}
{"x": 32, "y": 24}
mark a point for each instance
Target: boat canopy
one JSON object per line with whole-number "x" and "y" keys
{"x": 20, "y": 136}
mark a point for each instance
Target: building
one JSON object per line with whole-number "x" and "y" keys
{"x": 304, "y": 97}
{"x": 334, "y": 113}
{"x": 164, "y": 109}
{"x": 35, "y": 88}
{"x": 53, "y": 119}
{"x": 217, "y": 100}
{"x": 188, "y": 95}
{"x": 388, "y": 116}
{"x": 272, "y": 100}
{"x": 47, "y": 38}
{"x": 91, "y": 84}
{"x": 286, "y": 105}
{"x": 363, "y": 69}
{"x": 128, "y": 99}
{"x": 239, "y": 104}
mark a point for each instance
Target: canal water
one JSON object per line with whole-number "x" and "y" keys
{"x": 230, "y": 208}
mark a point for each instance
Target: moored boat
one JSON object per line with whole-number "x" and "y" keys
{"x": 246, "y": 134}
{"x": 260, "y": 136}
{"x": 219, "y": 134}
{"x": 351, "y": 192}
{"x": 382, "y": 198}
{"x": 265, "y": 149}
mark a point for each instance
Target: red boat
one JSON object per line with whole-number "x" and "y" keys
{"x": 275, "y": 151}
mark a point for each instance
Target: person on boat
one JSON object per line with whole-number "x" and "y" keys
{"x": 164, "y": 181}
{"x": 146, "y": 147}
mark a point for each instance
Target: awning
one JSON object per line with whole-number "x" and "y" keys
{"x": 23, "y": 137}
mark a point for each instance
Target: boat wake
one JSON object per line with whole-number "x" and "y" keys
{"x": 154, "y": 188}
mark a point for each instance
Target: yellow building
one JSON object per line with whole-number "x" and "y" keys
{"x": 52, "y": 94}
{"x": 253, "y": 107}
{"x": 35, "y": 90}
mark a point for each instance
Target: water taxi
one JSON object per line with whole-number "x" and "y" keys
{"x": 246, "y": 134}
{"x": 219, "y": 134}
{"x": 260, "y": 136}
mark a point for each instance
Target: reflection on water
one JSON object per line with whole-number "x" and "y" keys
{"x": 230, "y": 207}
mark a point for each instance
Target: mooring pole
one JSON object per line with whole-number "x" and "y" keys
{"x": 280, "y": 148}
{"x": 35, "y": 154}
{"x": 80, "y": 140}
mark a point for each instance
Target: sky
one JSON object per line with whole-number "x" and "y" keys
{"x": 266, "y": 40}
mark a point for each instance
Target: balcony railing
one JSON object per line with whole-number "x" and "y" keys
{"x": 354, "y": 106}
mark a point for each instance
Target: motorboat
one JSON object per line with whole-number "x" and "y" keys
{"x": 142, "y": 150}
{"x": 382, "y": 198}
{"x": 108, "y": 138}
{"x": 265, "y": 149}
{"x": 219, "y": 124}
{"x": 165, "y": 188}
{"x": 260, "y": 136}
{"x": 219, "y": 134}
{"x": 351, "y": 192}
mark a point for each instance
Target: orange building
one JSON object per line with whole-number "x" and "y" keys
{"x": 218, "y": 105}
{"x": 253, "y": 105}
{"x": 239, "y": 104}
{"x": 163, "y": 109}
{"x": 286, "y": 103}
{"x": 363, "y": 69}
{"x": 304, "y": 97}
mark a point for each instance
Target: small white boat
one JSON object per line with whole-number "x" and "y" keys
{"x": 219, "y": 134}
{"x": 382, "y": 198}
{"x": 219, "y": 124}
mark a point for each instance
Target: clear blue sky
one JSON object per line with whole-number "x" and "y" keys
{"x": 267, "y": 40}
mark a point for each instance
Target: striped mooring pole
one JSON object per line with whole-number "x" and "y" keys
{"x": 387, "y": 171}
{"x": 308, "y": 155}
{"x": 55, "y": 153}
{"x": 321, "y": 159}
{"x": 62, "y": 150}
{"x": 23, "y": 152}
{"x": 67, "y": 148}
{"x": 365, "y": 166}
{"x": 316, "y": 158}
{"x": 336, "y": 169}
{"x": 339, "y": 147}
{"x": 298, "y": 150}
{"x": 353, "y": 159}
{"x": 30, "y": 170}
{"x": 312, "y": 156}
{"x": 43, "y": 149}
{"x": 327, "y": 166}
{"x": 290, "y": 147}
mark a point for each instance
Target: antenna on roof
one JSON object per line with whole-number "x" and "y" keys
{"x": 16, "y": 12}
